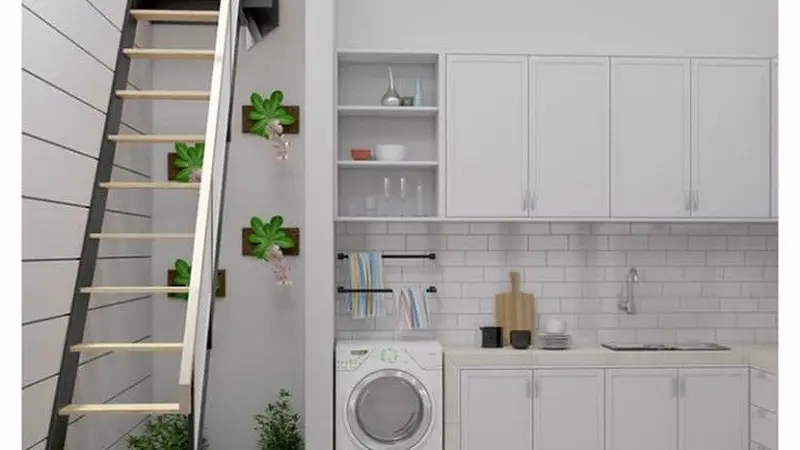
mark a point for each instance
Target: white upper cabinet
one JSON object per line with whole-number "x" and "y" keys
{"x": 642, "y": 409}
{"x": 731, "y": 138}
{"x": 650, "y": 137}
{"x": 496, "y": 410}
{"x": 566, "y": 401}
{"x": 714, "y": 409}
{"x": 774, "y": 140}
{"x": 569, "y": 154}
{"x": 487, "y": 136}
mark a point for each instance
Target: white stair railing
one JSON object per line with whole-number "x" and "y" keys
{"x": 191, "y": 379}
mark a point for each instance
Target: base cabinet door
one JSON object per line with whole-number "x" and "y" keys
{"x": 496, "y": 410}
{"x": 713, "y": 413}
{"x": 641, "y": 409}
{"x": 568, "y": 409}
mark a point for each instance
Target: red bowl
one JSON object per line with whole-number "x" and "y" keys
{"x": 360, "y": 154}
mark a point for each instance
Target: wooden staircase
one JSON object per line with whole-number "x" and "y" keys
{"x": 199, "y": 309}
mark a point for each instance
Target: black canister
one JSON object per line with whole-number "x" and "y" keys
{"x": 491, "y": 337}
{"x": 520, "y": 339}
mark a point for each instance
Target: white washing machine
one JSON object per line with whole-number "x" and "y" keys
{"x": 389, "y": 395}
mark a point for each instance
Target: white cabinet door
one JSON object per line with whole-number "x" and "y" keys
{"x": 641, "y": 409}
{"x": 496, "y": 409}
{"x": 568, "y": 410}
{"x": 731, "y": 138}
{"x": 569, "y": 137}
{"x": 713, "y": 413}
{"x": 774, "y": 139}
{"x": 487, "y": 136}
{"x": 650, "y": 137}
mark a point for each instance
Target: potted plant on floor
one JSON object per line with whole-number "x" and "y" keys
{"x": 279, "y": 426}
{"x": 167, "y": 432}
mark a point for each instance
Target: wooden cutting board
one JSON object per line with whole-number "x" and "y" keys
{"x": 514, "y": 310}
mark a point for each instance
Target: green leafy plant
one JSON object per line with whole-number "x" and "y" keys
{"x": 167, "y": 432}
{"x": 183, "y": 276}
{"x": 265, "y": 110}
{"x": 189, "y": 160}
{"x": 279, "y": 426}
{"x": 265, "y": 235}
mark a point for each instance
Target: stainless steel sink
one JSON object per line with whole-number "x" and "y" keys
{"x": 703, "y": 346}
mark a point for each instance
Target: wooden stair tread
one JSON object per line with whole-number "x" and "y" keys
{"x": 157, "y": 138}
{"x": 149, "y": 185}
{"x": 133, "y": 408}
{"x": 142, "y": 235}
{"x": 128, "y": 347}
{"x": 135, "y": 290}
{"x": 174, "y": 15}
{"x": 163, "y": 95}
{"x": 168, "y": 53}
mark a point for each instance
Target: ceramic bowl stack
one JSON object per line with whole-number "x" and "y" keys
{"x": 555, "y": 336}
{"x": 554, "y": 341}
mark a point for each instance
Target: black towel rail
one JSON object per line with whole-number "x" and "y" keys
{"x": 342, "y": 290}
{"x": 341, "y": 256}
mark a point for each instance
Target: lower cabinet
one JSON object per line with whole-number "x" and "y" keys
{"x": 524, "y": 409}
{"x": 677, "y": 409}
{"x": 611, "y": 409}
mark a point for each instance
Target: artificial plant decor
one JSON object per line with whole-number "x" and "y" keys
{"x": 279, "y": 426}
{"x": 190, "y": 161}
{"x": 268, "y": 239}
{"x": 181, "y": 275}
{"x": 268, "y": 117}
{"x": 167, "y": 432}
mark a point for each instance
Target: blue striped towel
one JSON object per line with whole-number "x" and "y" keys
{"x": 412, "y": 308}
{"x": 366, "y": 272}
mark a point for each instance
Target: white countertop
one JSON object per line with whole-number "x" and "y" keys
{"x": 760, "y": 357}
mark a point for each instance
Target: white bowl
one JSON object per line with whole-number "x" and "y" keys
{"x": 390, "y": 152}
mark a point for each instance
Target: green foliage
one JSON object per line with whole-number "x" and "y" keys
{"x": 265, "y": 235}
{"x": 183, "y": 276}
{"x": 266, "y": 109}
{"x": 278, "y": 426}
{"x": 168, "y": 432}
{"x": 189, "y": 160}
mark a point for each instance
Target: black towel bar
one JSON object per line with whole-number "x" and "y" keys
{"x": 341, "y": 256}
{"x": 342, "y": 290}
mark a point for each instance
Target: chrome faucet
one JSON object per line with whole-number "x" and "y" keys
{"x": 626, "y": 303}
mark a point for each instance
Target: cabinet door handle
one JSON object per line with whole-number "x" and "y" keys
{"x": 696, "y": 200}
{"x": 525, "y": 200}
{"x": 529, "y": 389}
{"x": 536, "y": 389}
{"x": 533, "y": 200}
{"x": 687, "y": 201}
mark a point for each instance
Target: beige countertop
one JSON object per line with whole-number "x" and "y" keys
{"x": 759, "y": 357}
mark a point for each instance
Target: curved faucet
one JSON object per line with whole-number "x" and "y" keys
{"x": 626, "y": 303}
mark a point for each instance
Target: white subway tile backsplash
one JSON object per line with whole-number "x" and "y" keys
{"x": 698, "y": 281}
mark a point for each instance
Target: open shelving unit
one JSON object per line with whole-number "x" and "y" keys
{"x": 362, "y": 122}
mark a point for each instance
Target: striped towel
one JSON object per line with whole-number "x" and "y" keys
{"x": 366, "y": 272}
{"x": 412, "y": 308}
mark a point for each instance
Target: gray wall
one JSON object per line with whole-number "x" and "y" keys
{"x": 258, "y": 333}
{"x": 68, "y": 56}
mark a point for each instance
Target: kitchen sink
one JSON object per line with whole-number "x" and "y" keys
{"x": 703, "y": 346}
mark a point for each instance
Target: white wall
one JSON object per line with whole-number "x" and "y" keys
{"x": 698, "y": 282}
{"x": 68, "y": 55}
{"x": 258, "y": 330}
{"x": 574, "y": 27}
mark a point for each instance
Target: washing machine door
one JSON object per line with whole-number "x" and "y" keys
{"x": 389, "y": 410}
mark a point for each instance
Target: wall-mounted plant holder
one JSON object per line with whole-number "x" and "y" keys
{"x": 172, "y": 171}
{"x": 221, "y": 284}
{"x": 187, "y": 167}
{"x": 293, "y": 111}
{"x": 294, "y": 233}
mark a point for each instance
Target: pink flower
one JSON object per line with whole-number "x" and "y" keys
{"x": 280, "y": 267}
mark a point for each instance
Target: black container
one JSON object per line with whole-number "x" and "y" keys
{"x": 491, "y": 337}
{"x": 520, "y": 339}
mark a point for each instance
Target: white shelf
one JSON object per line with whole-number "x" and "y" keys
{"x": 386, "y": 164}
{"x": 439, "y": 219}
{"x": 377, "y": 56}
{"x": 386, "y": 219}
{"x": 388, "y": 111}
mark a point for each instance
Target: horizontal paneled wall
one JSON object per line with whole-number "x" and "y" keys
{"x": 63, "y": 114}
{"x": 698, "y": 282}
{"x": 569, "y": 27}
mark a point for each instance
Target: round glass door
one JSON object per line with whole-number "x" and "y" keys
{"x": 389, "y": 410}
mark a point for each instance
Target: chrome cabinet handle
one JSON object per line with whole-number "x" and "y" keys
{"x": 533, "y": 200}
{"x": 687, "y": 201}
{"x": 529, "y": 389}
{"x": 536, "y": 389}
{"x": 696, "y": 200}
{"x": 525, "y": 200}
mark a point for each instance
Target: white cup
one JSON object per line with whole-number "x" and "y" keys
{"x": 556, "y": 326}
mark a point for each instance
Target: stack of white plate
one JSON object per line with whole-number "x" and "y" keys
{"x": 554, "y": 341}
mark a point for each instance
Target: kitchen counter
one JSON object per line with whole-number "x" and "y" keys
{"x": 759, "y": 357}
